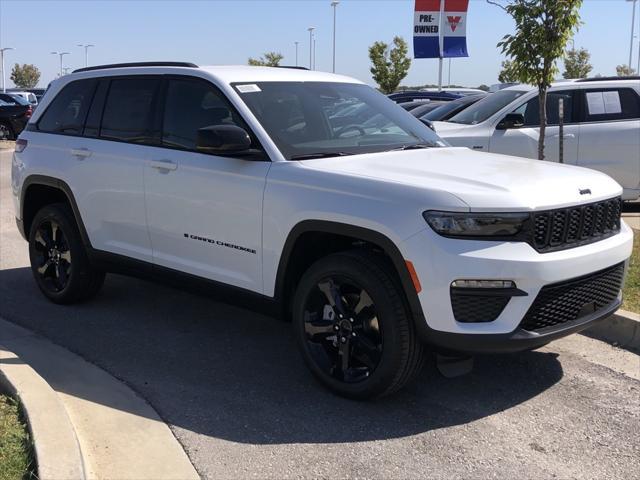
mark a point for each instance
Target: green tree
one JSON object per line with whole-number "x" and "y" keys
{"x": 624, "y": 71}
{"x": 270, "y": 59}
{"x": 25, "y": 76}
{"x": 543, "y": 28}
{"x": 507, "y": 74}
{"x": 389, "y": 65}
{"x": 576, "y": 63}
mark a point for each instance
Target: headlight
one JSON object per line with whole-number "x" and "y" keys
{"x": 453, "y": 224}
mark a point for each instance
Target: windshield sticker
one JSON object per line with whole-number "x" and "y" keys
{"x": 252, "y": 87}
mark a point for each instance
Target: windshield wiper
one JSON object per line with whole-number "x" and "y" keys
{"x": 309, "y": 156}
{"x": 413, "y": 146}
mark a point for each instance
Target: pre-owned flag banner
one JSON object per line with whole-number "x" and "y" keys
{"x": 439, "y": 29}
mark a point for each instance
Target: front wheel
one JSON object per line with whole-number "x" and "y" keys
{"x": 353, "y": 326}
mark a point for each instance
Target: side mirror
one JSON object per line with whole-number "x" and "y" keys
{"x": 511, "y": 120}
{"x": 223, "y": 139}
{"x": 427, "y": 123}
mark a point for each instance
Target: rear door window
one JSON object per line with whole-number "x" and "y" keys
{"x": 67, "y": 112}
{"x": 130, "y": 109}
{"x": 610, "y": 104}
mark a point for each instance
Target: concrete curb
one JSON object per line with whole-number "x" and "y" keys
{"x": 56, "y": 447}
{"x": 116, "y": 432}
{"x": 622, "y": 329}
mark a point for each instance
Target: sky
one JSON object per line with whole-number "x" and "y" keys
{"x": 228, "y": 32}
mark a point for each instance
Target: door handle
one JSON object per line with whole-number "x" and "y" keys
{"x": 566, "y": 135}
{"x": 81, "y": 153}
{"x": 163, "y": 165}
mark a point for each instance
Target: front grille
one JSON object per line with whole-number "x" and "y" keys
{"x": 476, "y": 308}
{"x": 572, "y": 299}
{"x": 573, "y": 226}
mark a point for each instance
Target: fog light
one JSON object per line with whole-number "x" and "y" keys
{"x": 483, "y": 284}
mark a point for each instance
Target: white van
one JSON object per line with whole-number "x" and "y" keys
{"x": 601, "y": 126}
{"x": 28, "y": 96}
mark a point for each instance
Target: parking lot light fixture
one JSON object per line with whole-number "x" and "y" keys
{"x": 86, "y": 52}
{"x": 311, "y": 29}
{"x": 334, "y": 4}
{"x": 2, "y": 50}
{"x": 61, "y": 54}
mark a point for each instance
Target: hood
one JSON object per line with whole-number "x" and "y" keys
{"x": 444, "y": 128}
{"x": 484, "y": 181}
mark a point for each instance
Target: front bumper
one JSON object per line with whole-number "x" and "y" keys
{"x": 439, "y": 261}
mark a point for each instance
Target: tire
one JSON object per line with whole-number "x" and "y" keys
{"x": 6, "y": 132}
{"x": 59, "y": 261}
{"x": 369, "y": 322}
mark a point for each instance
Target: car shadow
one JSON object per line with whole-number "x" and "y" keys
{"x": 228, "y": 372}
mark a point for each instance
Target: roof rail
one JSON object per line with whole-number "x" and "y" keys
{"x": 295, "y": 67}
{"x": 604, "y": 79}
{"x": 137, "y": 64}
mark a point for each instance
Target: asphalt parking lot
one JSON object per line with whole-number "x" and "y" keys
{"x": 233, "y": 389}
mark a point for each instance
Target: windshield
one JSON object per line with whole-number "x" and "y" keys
{"x": 480, "y": 111}
{"x": 323, "y": 119}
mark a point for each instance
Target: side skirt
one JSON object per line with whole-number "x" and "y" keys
{"x": 122, "y": 265}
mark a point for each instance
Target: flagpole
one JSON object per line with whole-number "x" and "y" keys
{"x": 440, "y": 41}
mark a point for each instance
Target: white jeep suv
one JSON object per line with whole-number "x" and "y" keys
{"x": 373, "y": 236}
{"x": 601, "y": 126}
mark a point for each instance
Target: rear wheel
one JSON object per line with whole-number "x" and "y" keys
{"x": 353, "y": 327}
{"x": 59, "y": 261}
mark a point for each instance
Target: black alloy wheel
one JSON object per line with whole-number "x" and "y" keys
{"x": 342, "y": 329}
{"x": 53, "y": 256}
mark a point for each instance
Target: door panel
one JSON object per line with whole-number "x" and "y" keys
{"x": 204, "y": 211}
{"x": 523, "y": 142}
{"x": 612, "y": 148}
{"x": 205, "y": 216}
{"x": 108, "y": 183}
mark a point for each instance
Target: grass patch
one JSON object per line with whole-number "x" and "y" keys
{"x": 632, "y": 286}
{"x": 16, "y": 458}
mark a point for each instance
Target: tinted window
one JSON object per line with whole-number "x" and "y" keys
{"x": 92, "y": 125}
{"x": 128, "y": 111}
{"x": 191, "y": 105}
{"x": 611, "y": 104}
{"x": 531, "y": 109}
{"x": 67, "y": 111}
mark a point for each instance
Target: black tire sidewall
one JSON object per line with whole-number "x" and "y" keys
{"x": 390, "y": 312}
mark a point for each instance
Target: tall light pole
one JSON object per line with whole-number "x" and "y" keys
{"x": 2, "y": 50}
{"x": 86, "y": 52}
{"x": 311, "y": 29}
{"x": 296, "y": 52}
{"x": 61, "y": 54}
{"x": 633, "y": 24}
{"x": 334, "y": 4}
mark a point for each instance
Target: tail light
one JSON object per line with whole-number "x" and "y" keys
{"x": 21, "y": 144}
{"x": 29, "y": 112}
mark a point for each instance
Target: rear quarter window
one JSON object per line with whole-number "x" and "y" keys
{"x": 67, "y": 112}
{"x": 610, "y": 104}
